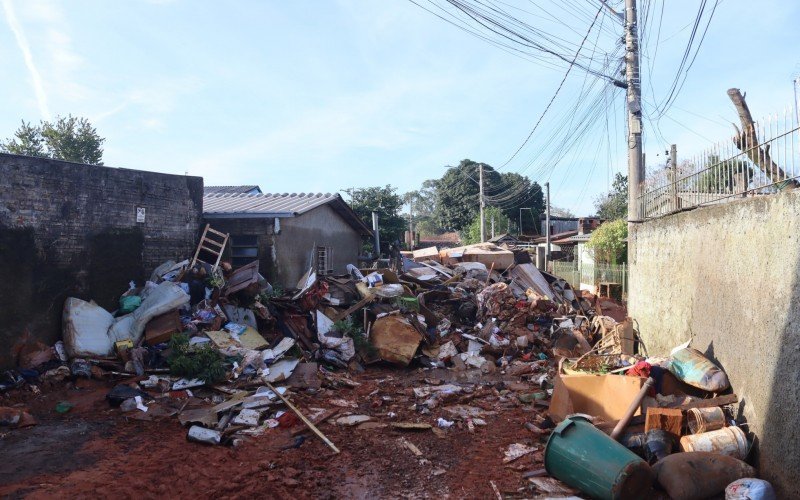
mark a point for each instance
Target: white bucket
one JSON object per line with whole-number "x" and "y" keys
{"x": 730, "y": 441}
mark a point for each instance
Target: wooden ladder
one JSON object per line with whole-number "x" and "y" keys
{"x": 212, "y": 242}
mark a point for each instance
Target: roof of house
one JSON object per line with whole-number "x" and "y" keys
{"x": 503, "y": 237}
{"x": 451, "y": 237}
{"x": 251, "y": 189}
{"x": 233, "y": 205}
{"x": 555, "y": 237}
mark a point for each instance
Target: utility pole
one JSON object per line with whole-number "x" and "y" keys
{"x": 492, "y": 225}
{"x": 483, "y": 222}
{"x": 520, "y": 222}
{"x": 547, "y": 224}
{"x": 410, "y": 222}
{"x": 673, "y": 173}
{"x": 376, "y": 232}
{"x": 634, "y": 99}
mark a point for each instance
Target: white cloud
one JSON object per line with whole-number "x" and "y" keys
{"x": 24, "y": 47}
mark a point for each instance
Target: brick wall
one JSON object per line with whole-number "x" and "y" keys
{"x": 69, "y": 229}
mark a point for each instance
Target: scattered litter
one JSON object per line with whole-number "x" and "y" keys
{"x": 517, "y": 450}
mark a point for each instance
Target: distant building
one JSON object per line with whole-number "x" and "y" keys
{"x": 287, "y": 233}
{"x": 504, "y": 238}
{"x": 558, "y": 224}
{"x": 444, "y": 240}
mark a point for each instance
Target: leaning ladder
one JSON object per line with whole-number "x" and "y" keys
{"x": 212, "y": 242}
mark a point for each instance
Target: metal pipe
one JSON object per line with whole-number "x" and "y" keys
{"x": 637, "y": 401}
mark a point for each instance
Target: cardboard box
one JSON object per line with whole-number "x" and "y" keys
{"x": 603, "y": 396}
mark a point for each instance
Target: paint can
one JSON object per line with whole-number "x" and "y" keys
{"x": 705, "y": 419}
{"x": 730, "y": 441}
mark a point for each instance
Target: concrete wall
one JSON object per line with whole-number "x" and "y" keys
{"x": 729, "y": 276}
{"x": 321, "y": 227}
{"x": 68, "y": 229}
{"x": 284, "y": 257}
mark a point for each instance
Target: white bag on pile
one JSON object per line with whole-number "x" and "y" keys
{"x": 164, "y": 298}
{"x": 86, "y": 329}
{"x": 343, "y": 345}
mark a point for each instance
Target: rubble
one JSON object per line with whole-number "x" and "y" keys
{"x": 474, "y": 331}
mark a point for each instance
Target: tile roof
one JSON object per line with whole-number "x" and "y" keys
{"x": 233, "y": 205}
{"x": 252, "y": 189}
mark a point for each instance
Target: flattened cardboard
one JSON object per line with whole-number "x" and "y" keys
{"x": 603, "y": 396}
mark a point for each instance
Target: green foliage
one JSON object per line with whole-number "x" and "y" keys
{"x": 457, "y": 195}
{"x": 354, "y": 330}
{"x": 472, "y": 234}
{"x": 387, "y": 203}
{"x": 614, "y": 204}
{"x": 423, "y": 205}
{"x": 67, "y": 138}
{"x": 608, "y": 242}
{"x": 724, "y": 176}
{"x": 195, "y": 361}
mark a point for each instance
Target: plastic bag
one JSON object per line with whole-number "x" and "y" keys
{"x": 698, "y": 371}
{"x": 164, "y": 298}
{"x": 129, "y": 303}
{"x": 749, "y": 489}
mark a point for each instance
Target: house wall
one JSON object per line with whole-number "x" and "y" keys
{"x": 728, "y": 276}
{"x": 321, "y": 227}
{"x": 68, "y": 229}
{"x": 284, "y": 257}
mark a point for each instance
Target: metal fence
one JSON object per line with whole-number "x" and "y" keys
{"x": 591, "y": 274}
{"x": 759, "y": 160}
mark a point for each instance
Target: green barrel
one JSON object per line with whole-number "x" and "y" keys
{"x": 586, "y": 458}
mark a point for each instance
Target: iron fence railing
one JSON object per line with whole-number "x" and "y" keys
{"x": 759, "y": 160}
{"x": 591, "y": 274}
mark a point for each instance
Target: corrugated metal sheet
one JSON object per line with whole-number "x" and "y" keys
{"x": 249, "y": 189}
{"x": 268, "y": 204}
{"x": 231, "y": 205}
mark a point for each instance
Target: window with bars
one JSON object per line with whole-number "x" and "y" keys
{"x": 324, "y": 260}
{"x": 244, "y": 249}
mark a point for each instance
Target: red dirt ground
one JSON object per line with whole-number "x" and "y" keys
{"x": 96, "y": 451}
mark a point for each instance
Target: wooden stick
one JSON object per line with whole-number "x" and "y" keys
{"x": 304, "y": 419}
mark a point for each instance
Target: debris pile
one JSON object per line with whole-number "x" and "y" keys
{"x": 476, "y": 329}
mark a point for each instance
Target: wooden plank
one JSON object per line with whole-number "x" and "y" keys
{"x": 209, "y": 250}
{"x": 355, "y": 307}
{"x": 707, "y": 403}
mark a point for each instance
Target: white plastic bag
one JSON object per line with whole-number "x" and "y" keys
{"x": 749, "y": 489}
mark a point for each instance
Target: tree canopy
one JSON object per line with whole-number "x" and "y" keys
{"x": 614, "y": 204}
{"x": 457, "y": 196}
{"x": 609, "y": 242}
{"x": 387, "y": 203}
{"x": 472, "y": 233}
{"x": 67, "y": 138}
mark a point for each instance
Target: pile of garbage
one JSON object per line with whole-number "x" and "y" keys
{"x": 223, "y": 351}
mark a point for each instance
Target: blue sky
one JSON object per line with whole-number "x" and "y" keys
{"x": 314, "y": 95}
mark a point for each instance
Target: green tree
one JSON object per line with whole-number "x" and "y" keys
{"x": 67, "y": 138}
{"x": 609, "y": 242}
{"x": 614, "y": 204}
{"x": 724, "y": 176}
{"x": 472, "y": 233}
{"x": 423, "y": 204}
{"x": 515, "y": 192}
{"x": 457, "y": 194}
{"x": 387, "y": 203}
{"x": 27, "y": 141}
